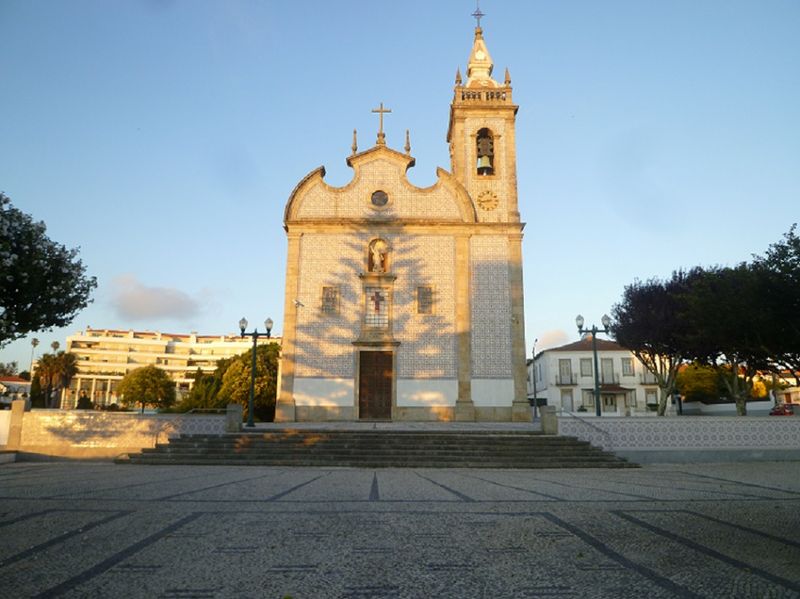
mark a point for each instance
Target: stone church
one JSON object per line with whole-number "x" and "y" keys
{"x": 406, "y": 303}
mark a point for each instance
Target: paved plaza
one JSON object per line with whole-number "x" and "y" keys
{"x": 104, "y": 530}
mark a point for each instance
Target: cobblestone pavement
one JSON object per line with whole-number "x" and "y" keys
{"x": 103, "y": 530}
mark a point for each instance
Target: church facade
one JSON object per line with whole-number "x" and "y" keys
{"x": 406, "y": 303}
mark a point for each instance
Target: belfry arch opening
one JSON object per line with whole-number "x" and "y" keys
{"x": 485, "y": 146}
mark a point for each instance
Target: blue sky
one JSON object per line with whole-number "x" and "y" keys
{"x": 163, "y": 137}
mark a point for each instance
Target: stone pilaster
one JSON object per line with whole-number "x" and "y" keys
{"x": 285, "y": 407}
{"x": 520, "y": 409}
{"x": 465, "y": 409}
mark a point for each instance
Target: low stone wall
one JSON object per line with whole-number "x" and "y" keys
{"x": 5, "y": 424}
{"x": 754, "y": 408}
{"x": 86, "y": 434}
{"x": 687, "y": 438}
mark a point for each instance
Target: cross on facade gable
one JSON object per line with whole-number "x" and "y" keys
{"x": 377, "y": 299}
{"x": 381, "y": 135}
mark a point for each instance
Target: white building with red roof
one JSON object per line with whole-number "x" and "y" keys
{"x": 564, "y": 377}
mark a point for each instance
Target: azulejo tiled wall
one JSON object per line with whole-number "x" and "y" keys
{"x": 491, "y": 307}
{"x": 686, "y": 432}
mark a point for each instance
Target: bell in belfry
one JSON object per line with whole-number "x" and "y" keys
{"x": 484, "y": 165}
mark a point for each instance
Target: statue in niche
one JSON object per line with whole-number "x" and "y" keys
{"x": 378, "y": 256}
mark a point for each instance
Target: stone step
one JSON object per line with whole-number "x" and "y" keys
{"x": 337, "y": 455}
{"x": 364, "y": 463}
{"x": 385, "y": 449}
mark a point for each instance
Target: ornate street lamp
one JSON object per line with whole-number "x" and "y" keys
{"x": 255, "y": 335}
{"x": 594, "y": 330}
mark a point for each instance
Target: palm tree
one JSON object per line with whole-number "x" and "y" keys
{"x": 46, "y": 372}
{"x": 67, "y": 368}
{"x": 34, "y": 343}
{"x": 55, "y": 371}
{"x": 55, "y": 345}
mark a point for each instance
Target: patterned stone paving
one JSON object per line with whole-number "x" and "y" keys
{"x": 689, "y": 530}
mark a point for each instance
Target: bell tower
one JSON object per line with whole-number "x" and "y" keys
{"x": 481, "y": 137}
{"x": 483, "y": 159}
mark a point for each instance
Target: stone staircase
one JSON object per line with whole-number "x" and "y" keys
{"x": 380, "y": 449}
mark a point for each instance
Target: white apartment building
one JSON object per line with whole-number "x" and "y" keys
{"x": 106, "y": 355}
{"x": 564, "y": 377}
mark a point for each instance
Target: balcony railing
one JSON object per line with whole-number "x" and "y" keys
{"x": 563, "y": 380}
{"x": 648, "y": 378}
{"x": 609, "y": 378}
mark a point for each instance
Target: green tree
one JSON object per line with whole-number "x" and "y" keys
{"x": 8, "y": 369}
{"x": 148, "y": 386}
{"x": 699, "y": 382}
{"x": 729, "y": 326}
{"x": 55, "y": 371}
{"x": 84, "y": 403}
{"x": 236, "y": 381}
{"x": 204, "y": 393}
{"x": 44, "y": 284}
{"x": 37, "y": 395}
{"x": 779, "y": 269}
{"x": 647, "y": 322}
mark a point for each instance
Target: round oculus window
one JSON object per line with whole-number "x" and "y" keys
{"x": 380, "y": 198}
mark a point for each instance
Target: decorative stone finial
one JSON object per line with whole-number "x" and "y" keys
{"x": 480, "y": 65}
{"x": 458, "y": 76}
{"x": 408, "y": 142}
{"x": 355, "y": 143}
{"x": 508, "y": 77}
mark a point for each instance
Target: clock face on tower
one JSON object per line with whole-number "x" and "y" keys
{"x": 487, "y": 200}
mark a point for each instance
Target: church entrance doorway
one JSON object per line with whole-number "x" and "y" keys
{"x": 375, "y": 385}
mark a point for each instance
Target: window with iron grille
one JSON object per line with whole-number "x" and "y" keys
{"x": 330, "y": 300}
{"x": 376, "y": 308}
{"x": 424, "y": 300}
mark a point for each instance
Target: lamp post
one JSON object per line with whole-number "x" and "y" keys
{"x": 255, "y": 335}
{"x": 533, "y": 374}
{"x": 594, "y": 330}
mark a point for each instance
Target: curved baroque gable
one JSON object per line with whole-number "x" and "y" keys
{"x": 379, "y": 169}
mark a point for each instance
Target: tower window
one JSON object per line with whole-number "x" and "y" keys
{"x": 485, "y": 143}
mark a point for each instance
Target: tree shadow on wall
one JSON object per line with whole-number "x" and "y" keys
{"x": 324, "y": 341}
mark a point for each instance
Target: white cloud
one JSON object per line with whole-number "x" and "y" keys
{"x": 552, "y": 338}
{"x": 133, "y": 300}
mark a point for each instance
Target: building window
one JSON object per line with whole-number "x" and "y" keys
{"x": 651, "y": 397}
{"x": 630, "y": 399}
{"x": 379, "y": 198}
{"x": 588, "y": 399}
{"x": 586, "y": 367}
{"x": 609, "y": 403}
{"x": 424, "y": 300}
{"x": 376, "y": 312}
{"x": 330, "y": 300}
{"x": 565, "y": 372}
{"x": 627, "y": 367}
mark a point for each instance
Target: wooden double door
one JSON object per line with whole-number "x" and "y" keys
{"x": 375, "y": 385}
